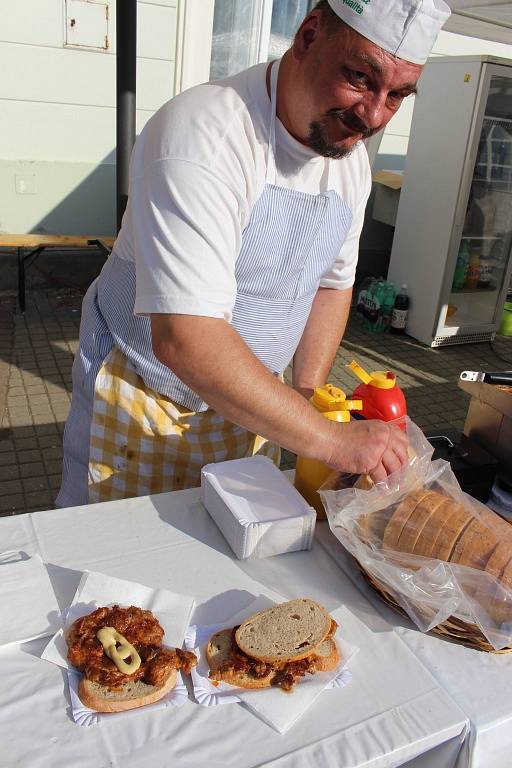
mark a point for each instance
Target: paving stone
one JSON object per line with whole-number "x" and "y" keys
{"x": 46, "y": 429}
{"x": 39, "y": 400}
{"x": 26, "y": 443}
{"x": 39, "y": 499}
{"x": 39, "y": 483}
{"x": 24, "y": 431}
{"x": 53, "y": 467}
{"x": 49, "y": 441}
{"x": 32, "y": 470}
{"x": 52, "y": 453}
{"x": 9, "y": 472}
{"x": 6, "y": 445}
{"x": 41, "y": 419}
{"x": 16, "y": 391}
{"x": 54, "y": 481}
{"x": 12, "y": 502}
{"x": 27, "y": 457}
{"x": 8, "y": 487}
{"x": 35, "y": 389}
{"x": 17, "y": 403}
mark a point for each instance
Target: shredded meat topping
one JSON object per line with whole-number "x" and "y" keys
{"x": 142, "y": 630}
{"x": 284, "y": 674}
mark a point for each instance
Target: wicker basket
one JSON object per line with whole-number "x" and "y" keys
{"x": 454, "y": 629}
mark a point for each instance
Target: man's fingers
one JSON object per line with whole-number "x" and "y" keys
{"x": 378, "y": 473}
{"x": 391, "y": 462}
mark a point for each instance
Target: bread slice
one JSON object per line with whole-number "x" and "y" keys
{"x": 287, "y": 631}
{"x": 400, "y": 517}
{"x": 131, "y": 695}
{"x": 220, "y": 648}
{"x": 430, "y": 532}
{"x": 450, "y": 531}
{"x": 372, "y": 525}
{"x": 413, "y": 529}
{"x": 475, "y": 546}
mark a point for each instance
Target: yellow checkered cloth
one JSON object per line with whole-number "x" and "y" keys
{"x": 143, "y": 443}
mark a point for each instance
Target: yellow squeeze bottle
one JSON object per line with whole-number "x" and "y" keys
{"x": 310, "y": 474}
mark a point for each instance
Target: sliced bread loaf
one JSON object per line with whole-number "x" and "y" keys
{"x": 400, "y": 517}
{"x": 287, "y": 631}
{"x": 413, "y": 529}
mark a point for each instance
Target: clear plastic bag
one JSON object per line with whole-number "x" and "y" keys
{"x": 437, "y": 551}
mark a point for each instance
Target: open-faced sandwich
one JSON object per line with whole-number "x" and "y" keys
{"x": 275, "y": 647}
{"x": 123, "y": 662}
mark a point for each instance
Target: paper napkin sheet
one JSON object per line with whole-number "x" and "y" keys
{"x": 278, "y": 709}
{"x": 28, "y": 604}
{"x": 172, "y": 610}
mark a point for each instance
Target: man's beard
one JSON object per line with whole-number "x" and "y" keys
{"x": 319, "y": 143}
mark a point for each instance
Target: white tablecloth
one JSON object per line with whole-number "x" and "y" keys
{"x": 479, "y": 682}
{"x": 392, "y": 713}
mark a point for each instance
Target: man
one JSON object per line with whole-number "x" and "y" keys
{"x": 237, "y": 253}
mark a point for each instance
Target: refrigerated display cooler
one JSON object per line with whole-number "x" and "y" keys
{"x": 453, "y": 235}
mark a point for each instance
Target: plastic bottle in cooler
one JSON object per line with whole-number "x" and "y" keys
{"x": 461, "y": 267}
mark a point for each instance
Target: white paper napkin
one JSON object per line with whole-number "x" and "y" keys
{"x": 28, "y": 605}
{"x": 275, "y": 707}
{"x": 173, "y": 611}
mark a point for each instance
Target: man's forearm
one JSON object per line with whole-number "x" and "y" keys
{"x": 210, "y": 357}
{"x": 322, "y": 335}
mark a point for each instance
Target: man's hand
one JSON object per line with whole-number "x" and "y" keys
{"x": 370, "y": 447}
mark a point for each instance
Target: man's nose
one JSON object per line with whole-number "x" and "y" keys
{"x": 371, "y": 110}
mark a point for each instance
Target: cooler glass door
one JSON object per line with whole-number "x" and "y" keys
{"x": 477, "y": 285}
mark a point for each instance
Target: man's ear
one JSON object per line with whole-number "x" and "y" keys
{"x": 307, "y": 34}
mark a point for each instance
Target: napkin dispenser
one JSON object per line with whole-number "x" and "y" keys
{"x": 256, "y": 508}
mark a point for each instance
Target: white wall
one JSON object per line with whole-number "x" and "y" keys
{"x": 57, "y": 105}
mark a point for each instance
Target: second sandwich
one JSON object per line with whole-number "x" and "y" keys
{"x": 275, "y": 647}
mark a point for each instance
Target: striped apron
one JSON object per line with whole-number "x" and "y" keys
{"x": 292, "y": 238}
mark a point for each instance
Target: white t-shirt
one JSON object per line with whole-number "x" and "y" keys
{"x": 198, "y": 168}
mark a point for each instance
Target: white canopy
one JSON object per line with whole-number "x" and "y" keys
{"x": 487, "y": 19}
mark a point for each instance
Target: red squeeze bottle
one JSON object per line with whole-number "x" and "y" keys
{"x": 382, "y": 397}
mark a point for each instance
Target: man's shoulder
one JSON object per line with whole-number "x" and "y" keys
{"x": 204, "y": 121}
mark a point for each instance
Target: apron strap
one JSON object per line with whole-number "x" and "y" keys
{"x": 271, "y": 149}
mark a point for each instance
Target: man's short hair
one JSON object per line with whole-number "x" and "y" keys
{"x": 332, "y": 21}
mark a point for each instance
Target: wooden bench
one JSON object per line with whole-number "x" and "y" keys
{"x": 29, "y": 247}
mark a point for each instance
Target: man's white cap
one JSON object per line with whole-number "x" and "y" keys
{"x": 406, "y": 28}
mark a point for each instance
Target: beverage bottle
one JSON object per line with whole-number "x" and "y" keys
{"x": 361, "y": 296}
{"x": 388, "y": 302}
{"x": 310, "y": 474}
{"x": 379, "y": 295}
{"x": 473, "y": 273}
{"x": 372, "y": 305}
{"x": 461, "y": 267}
{"x": 400, "y": 311}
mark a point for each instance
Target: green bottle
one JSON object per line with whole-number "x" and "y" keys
{"x": 461, "y": 267}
